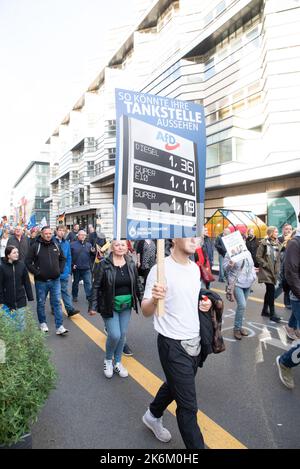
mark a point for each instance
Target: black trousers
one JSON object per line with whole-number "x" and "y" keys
{"x": 180, "y": 370}
{"x": 269, "y": 298}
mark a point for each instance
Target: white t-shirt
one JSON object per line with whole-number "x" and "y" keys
{"x": 181, "y": 319}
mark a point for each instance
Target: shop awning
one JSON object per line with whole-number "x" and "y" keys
{"x": 235, "y": 220}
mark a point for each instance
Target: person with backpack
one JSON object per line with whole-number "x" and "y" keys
{"x": 45, "y": 260}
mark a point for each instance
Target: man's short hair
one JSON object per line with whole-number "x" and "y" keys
{"x": 47, "y": 227}
{"x": 61, "y": 227}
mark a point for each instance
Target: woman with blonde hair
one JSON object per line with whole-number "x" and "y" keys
{"x": 268, "y": 259}
{"x": 116, "y": 290}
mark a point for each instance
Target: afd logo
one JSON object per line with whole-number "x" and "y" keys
{"x": 168, "y": 140}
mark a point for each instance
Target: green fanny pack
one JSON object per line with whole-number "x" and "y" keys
{"x": 122, "y": 302}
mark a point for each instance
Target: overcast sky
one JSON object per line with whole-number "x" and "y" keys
{"x": 48, "y": 49}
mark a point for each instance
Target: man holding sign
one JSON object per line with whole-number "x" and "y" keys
{"x": 178, "y": 341}
{"x": 159, "y": 194}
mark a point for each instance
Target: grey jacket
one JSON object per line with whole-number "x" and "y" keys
{"x": 242, "y": 273}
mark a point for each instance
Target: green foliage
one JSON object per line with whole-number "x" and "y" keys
{"x": 26, "y": 377}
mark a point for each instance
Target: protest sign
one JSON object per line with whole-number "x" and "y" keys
{"x": 160, "y": 167}
{"x": 160, "y": 170}
{"x": 235, "y": 246}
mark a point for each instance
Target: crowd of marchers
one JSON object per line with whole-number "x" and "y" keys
{"x": 119, "y": 277}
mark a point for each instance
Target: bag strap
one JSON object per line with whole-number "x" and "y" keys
{"x": 38, "y": 249}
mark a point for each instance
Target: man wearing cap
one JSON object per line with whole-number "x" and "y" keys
{"x": 45, "y": 260}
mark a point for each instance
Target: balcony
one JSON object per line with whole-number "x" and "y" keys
{"x": 104, "y": 169}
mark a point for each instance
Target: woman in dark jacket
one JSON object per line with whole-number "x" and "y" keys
{"x": 14, "y": 283}
{"x": 116, "y": 290}
{"x": 268, "y": 258}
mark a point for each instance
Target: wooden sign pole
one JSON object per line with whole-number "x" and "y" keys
{"x": 161, "y": 273}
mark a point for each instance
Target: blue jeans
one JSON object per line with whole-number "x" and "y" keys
{"x": 86, "y": 276}
{"x": 241, "y": 296}
{"x": 221, "y": 269}
{"x": 42, "y": 289}
{"x": 66, "y": 297}
{"x": 292, "y": 357}
{"x": 116, "y": 327}
{"x": 294, "y": 320}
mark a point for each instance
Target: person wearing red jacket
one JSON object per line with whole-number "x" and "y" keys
{"x": 202, "y": 261}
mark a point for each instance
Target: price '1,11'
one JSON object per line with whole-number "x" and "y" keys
{"x": 185, "y": 183}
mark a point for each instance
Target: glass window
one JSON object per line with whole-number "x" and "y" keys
{"x": 219, "y": 153}
{"x": 212, "y": 155}
{"x": 225, "y": 151}
{"x": 225, "y": 112}
{"x": 90, "y": 168}
{"x": 220, "y": 7}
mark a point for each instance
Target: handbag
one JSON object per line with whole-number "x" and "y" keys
{"x": 206, "y": 274}
{"x": 122, "y": 302}
{"x": 229, "y": 289}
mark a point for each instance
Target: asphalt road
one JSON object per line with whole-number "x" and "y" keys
{"x": 239, "y": 389}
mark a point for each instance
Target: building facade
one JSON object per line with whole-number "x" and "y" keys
{"x": 29, "y": 192}
{"x": 241, "y": 60}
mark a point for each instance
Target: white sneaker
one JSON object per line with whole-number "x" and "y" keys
{"x": 290, "y": 332}
{"x": 156, "y": 425}
{"x": 108, "y": 368}
{"x": 61, "y": 330}
{"x": 120, "y": 370}
{"x": 44, "y": 327}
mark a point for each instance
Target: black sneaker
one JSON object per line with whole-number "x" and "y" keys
{"x": 275, "y": 318}
{"x": 72, "y": 313}
{"x": 127, "y": 351}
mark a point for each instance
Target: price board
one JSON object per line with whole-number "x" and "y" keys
{"x": 160, "y": 173}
